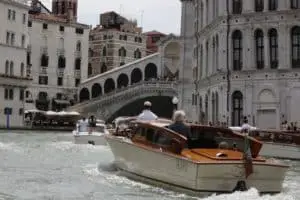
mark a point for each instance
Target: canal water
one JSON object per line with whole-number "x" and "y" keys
{"x": 49, "y": 166}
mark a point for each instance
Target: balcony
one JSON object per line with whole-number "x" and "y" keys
{"x": 60, "y": 52}
{"x": 77, "y": 73}
{"x": 44, "y": 50}
{"x": 78, "y": 54}
{"x": 43, "y": 71}
{"x": 60, "y": 72}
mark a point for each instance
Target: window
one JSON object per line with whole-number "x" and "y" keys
{"x": 21, "y": 111}
{"x": 61, "y": 28}
{"x": 13, "y": 15}
{"x": 137, "y": 54}
{"x": 77, "y": 82}
{"x": 23, "y": 41}
{"x": 11, "y": 68}
{"x": 21, "y": 94}
{"x": 44, "y": 60}
{"x": 45, "y": 26}
{"x": 155, "y": 39}
{"x": 295, "y": 47}
{"x": 43, "y": 80}
{"x": 24, "y": 18}
{"x": 7, "y": 37}
{"x": 22, "y": 69}
{"x": 237, "y": 6}
{"x": 7, "y": 111}
{"x": 273, "y": 5}
{"x": 59, "y": 96}
{"x": 103, "y": 68}
{"x": 237, "y": 50}
{"x": 78, "y": 46}
{"x": 237, "y": 108}
{"x": 28, "y": 58}
{"x": 9, "y": 13}
{"x": 104, "y": 37}
{"x": 104, "y": 51}
{"x": 6, "y": 94}
{"x": 27, "y": 94}
{"x": 61, "y": 62}
{"x": 79, "y": 31}
{"x": 259, "y": 5}
{"x": 90, "y": 69}
{"x": 259, "y": 45}
{"x": 29, "y": 24}
{"x": 12, "y": 39}
{"x": 7, "y": 67}
{"x": 11, "y": 94}
{"x": 60, "y": 81}
{"x": 78, "y": 64}
{"x": 273, "y": 41}
{"x": 295, "y": 4}
{"x": 122, "y": 52}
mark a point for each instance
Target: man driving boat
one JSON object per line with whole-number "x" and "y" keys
{"x": 147, "y": 114}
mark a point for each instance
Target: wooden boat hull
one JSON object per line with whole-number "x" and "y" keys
{"x": 93, "y": 139}
{"x": 204, "y": 177}
{"x": 278, "y": 150}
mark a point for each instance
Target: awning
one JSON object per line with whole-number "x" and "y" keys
{"x": 66, "y": 102}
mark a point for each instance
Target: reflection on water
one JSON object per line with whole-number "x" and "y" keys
{"x": 50, "y": 166}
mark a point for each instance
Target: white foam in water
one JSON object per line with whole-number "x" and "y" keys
{"x": 10, "y": 147}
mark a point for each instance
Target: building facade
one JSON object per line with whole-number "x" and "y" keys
{"x": 153, "y": 37}
{"x": 14, "y": 76}
{"x": 245, "y": 61}
{"x": 58, "y": 54}
{"x": 115, "y": 42}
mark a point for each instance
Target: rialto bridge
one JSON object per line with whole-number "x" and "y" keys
{"x": 121, "y": 91}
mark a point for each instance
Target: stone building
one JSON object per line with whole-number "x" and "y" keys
{"x": 14, "y": 76}
{"x": 58, "y": 54}
{"x": 153, "y": 37}
{"x": 116, "y": 41}
{"x": 244, "y": 59}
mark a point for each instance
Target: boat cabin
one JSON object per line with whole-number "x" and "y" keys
{"x": 155, "y": 134}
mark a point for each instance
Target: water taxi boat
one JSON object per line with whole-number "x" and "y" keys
{"x": 277, "y": 144}
{"x": 94, "y": 136}
{"x": 203, "y": 163}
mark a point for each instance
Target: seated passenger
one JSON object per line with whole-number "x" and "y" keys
{"x": 178, "y": 125}
{"x": 147, "y": 114}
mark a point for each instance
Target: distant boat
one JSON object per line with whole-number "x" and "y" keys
{"x": 277, "y": 144}
{"x": 203, "y": 163}
{"x": 94, "y": 137}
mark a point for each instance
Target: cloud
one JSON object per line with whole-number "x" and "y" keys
{"x": 163, "y": 17}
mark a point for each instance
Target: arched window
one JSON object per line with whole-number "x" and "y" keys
{"x": 90, "y": 69}
{"x": 237, "y": 108}
{"x": 61, "y": 62}
{"x": 236, "y": 6}
{"x": 273, "y": 41}
{"x": 122, "y": 52}
{"x": 137, "y": 54}
{"x": 259, "y": 46}
{"x": 7, "y": 67}
{"x": 11, "y": 68}
{"x": 273, "y": 5}
{"x": 103, "y": 68}
{"x": 104, "y": 51}
{"x": 295, "y": 47}
{"x": 44, "y": 60}
{"x": 22, "y": 69}
{"x": 259, "y": 5}
{"x": 78, "y": 46}
{"x": 295, "y": 4}
{"x": 237, "y": 50}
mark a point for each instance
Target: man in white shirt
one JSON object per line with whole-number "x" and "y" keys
{"x": 82, "y": 125}
{"x": 246, "y": 127}
{"x": 147, "y": 114}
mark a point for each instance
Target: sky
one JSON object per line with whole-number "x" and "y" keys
{"x": 161, "y": 15}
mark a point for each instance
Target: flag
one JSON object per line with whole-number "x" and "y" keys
{"x": 247, "y": 157}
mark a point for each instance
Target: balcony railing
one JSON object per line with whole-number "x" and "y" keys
{"x": 78, "y": 54}
{"x": 77, "y": 73}
{"x": 60, "y": 52}
{"x": 60, "y": 72}
{"x": 43, "y": 71}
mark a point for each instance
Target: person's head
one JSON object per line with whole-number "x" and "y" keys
{"x": 245, "y": 121}
{"x": 179, "y": 116}
{"x": 147, "y": 105}
{"x": 83, "y": 118}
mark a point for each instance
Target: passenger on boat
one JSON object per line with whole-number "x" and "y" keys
{"x": 147, "y": 114}
{"x": 178, "y": 125}
{"x": 82, "y": 125}
{"x": 92, "y": 123}
{"x": 245, "y": 127}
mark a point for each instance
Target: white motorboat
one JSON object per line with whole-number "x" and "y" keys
{"x": 94, "y": 136}
{"x": 276, "y": 144}
{"x": 154, "y": 154}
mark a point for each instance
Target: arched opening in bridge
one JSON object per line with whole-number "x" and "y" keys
{"x": 96, "y": 90}
{"x": 109, "y": 85}
{"x": 150, "y": 72}
{"x": 161, "y": 105}
{"x": 123, "y": 81}
{"x": 136, "y": 75}
{"x": 84, "y": 95}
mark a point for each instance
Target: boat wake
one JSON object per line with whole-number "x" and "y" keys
{"x": 10, "y": 147}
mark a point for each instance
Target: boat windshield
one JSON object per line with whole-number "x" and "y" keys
{"x": 202, "y": 138}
